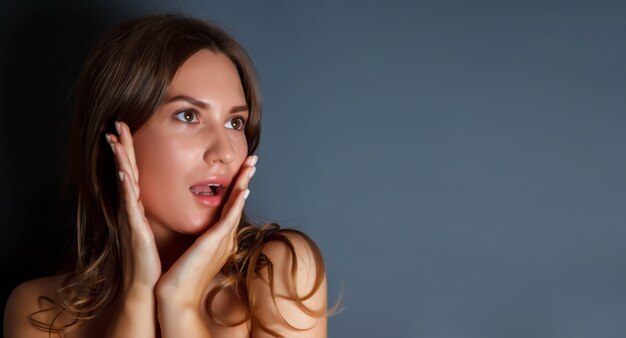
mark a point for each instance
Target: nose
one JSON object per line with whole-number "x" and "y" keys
{"x": 218, "y": 147}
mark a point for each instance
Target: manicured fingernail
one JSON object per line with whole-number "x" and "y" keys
{"x": 253, "y": 161}
{"x": 252, "y": 171}
{"x": 121, "y": 176}
{"x": 245, "y": 194}
{"x": 112, "y": 146}
{"x": 117, "y": 127}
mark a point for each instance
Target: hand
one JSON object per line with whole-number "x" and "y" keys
{"x": 141, "y": 266}
{"x": 185, "y": 283}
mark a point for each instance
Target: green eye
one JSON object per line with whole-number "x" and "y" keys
{"x": 188, "y": 116}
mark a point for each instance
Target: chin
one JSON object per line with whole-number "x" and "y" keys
{"x": 197, "y": 227}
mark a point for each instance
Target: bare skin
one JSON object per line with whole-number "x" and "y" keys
{"x": 173, "y": 245}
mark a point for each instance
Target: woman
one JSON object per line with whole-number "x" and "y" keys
{"x": 166, "y": 122}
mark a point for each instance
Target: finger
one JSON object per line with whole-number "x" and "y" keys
{"x": 126, "y": 139}
{"x": 234, "y": 215}
{"x": 135, "y": 217}
{"x": 110, "y": 140}
{"x": 231, "y": 213}
{"x": 251, "y": 160}
{"x": 241, "y": 183}
{"x": 143, "y": 211}
{"x": 122, "y": 160}
{"x": 226, "y": 227}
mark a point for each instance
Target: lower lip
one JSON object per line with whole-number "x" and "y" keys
{"x": 209, "y": 200}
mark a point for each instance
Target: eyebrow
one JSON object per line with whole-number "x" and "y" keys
{"x": 203, "y": 105}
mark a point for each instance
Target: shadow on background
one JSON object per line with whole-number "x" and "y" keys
{"x": 44, "y": 47}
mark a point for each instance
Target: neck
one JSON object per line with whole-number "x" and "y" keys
{"x": 171, "y": 245}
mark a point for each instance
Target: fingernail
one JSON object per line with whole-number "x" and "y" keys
{"x": 121, "y": 176}
{"x": 117, "y": 127}
{"x": 254, "y": 159}
{"x": 108, "y": 138}
{"x": 252, "y": 171}
{"x": 112, "y": 146}
{"x": 245, "y": 194}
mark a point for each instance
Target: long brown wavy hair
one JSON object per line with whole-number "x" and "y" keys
{"x": 125, "y": 77}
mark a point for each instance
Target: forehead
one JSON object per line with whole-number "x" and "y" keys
{"x": 207, "y": 75}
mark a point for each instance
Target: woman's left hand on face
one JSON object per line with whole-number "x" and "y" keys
{"x": 187, "y": 280}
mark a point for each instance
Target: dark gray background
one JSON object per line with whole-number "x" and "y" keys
{"x": 461, "y": 164}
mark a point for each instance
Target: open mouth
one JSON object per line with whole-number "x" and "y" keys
{"x": 206, "y": 190}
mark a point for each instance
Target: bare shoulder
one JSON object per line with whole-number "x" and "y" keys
{"x": 24, "y": 301}
{"x": 299, "y": 251}
{"x": 298, "y": 280}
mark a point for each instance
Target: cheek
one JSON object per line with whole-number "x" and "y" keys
{"x": 241, "y": 150}
{"x": 161, "y": 164}
{"x": 164, "y": 164}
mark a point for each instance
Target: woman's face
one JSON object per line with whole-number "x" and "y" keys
{"x": 194, "y": 139}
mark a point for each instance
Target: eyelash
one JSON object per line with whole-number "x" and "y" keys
{"x": 195, "y": 120}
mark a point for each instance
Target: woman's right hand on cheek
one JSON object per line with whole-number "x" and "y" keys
{"x": 140, "y": 259}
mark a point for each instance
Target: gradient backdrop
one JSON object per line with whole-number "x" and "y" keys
{"x": 461, "y": 164}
